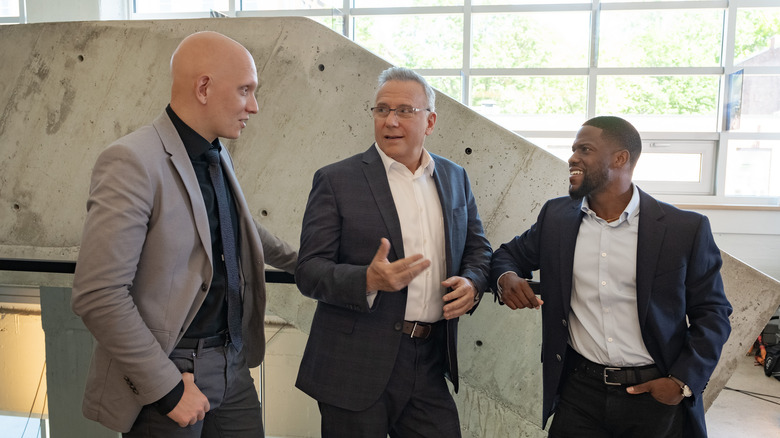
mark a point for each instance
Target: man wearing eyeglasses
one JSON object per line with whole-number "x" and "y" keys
{"x": 385, "y": 329}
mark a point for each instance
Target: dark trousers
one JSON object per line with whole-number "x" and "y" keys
{"x": 222, "y": 375}
{"x": 416, "y": 403}
{"x": 588, "y": 408}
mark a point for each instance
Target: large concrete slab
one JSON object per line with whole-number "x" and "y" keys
{"x": 69, "y": 89}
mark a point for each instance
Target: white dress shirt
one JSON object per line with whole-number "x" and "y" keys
{"x": 604, "y": 322}
{"x": 422, "y": 227}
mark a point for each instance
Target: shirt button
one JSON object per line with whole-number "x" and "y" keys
{"x": 603, "y": 254}
{"x": 603, "y": 283}
{"x": 203, "y": 287}
{"x": 609, "y": 339}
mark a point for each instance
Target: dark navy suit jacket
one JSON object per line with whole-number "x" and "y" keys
{"x": 352, "y": 348}
{"x": 677, "y": 276}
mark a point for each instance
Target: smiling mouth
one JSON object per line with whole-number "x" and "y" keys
{"x": 392, "y": 137}
{"x": 575, "y": 172}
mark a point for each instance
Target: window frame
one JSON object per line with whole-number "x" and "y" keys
{"x": 717, "y": 140}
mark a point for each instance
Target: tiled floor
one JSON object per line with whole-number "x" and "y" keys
{"x": 737, "y": 414}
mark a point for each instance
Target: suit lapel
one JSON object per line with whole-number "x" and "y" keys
{"x": 376, "y": 176}
{"x": 651, "y": 235}
{"x": 442, "y": 180}
{"x": 181, "y": 162}
{"x": 569, "y": 228}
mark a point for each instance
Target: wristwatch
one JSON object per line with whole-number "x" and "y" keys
{"x": 684, "y": 389}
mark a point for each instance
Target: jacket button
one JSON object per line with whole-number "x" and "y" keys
{"x": 558, "y": 356}
{"x": 203, "y": 287}
{"x": 563, "y": 321}
{"x": 397, "y": 326}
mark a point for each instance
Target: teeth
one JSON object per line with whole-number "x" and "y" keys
{"x": 575, "y": 172}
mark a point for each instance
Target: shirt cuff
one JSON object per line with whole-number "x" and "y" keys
{"x": 169, "y": 401}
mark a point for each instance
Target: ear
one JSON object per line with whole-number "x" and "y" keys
{"x": 431, "y": 122}
{"x": 202, "y": 89}
{"x": 622, "y": 158}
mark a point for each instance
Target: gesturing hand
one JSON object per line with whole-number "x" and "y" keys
{"x": 386, "y": 276}
{"x": 193, "y": 404}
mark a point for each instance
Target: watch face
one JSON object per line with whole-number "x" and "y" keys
{"x": 686, "y": 391}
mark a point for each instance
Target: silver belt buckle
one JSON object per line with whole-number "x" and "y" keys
{"x": 606, "y": 382}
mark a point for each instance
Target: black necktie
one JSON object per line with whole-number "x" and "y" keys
{"x": 228, "y": 249}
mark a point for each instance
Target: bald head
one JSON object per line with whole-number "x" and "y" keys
{"x": 214, "y": 79}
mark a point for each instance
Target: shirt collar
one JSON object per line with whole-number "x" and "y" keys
{"x": 631, "y": 211}
{"x": 195, "y": 144}
{"x": 427, "y": 166}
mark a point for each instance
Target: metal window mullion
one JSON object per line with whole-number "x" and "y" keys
{"x": 727, "y": 55}
{"x": 593, "y": 61}
{"x": 465, "y": 74}
{"x": 22, "y": 11}
{"x": 346, "y": 17}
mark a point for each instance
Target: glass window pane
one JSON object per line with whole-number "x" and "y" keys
{"x": 560, "y": 147}
{"x": 661, "y": 103}
{"x": 157, "y": 6}
{"x": 526, "y": 40}
{"x": 450, "y": 85}
{"x": 654, "y": 166}
{"x": 275, "y": 5}
{"x": 404, "y": 3}
{"x": 660, "y": 38}
{"x": 9, "y": 8}
{"x": 413, "y": 41}
{"x": 760, "y": 108}
{"x": 757, "y": 38}
{"x": 521, "y": 2}
{"x": 334, "y": 23}
{"x": 753, "y": 168}
{"x": 531, "y": 103}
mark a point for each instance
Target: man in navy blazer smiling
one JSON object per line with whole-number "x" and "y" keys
{"x": 385, "y": 329}
{"x": 633, "y": 309}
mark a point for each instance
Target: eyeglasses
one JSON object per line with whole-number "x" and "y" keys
{"x": 402, "y": 112}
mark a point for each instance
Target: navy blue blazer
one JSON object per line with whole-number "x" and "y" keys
{"x": 677, "y": 276}
{"x": 352, "y": 348}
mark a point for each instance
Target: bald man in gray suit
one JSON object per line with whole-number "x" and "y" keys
{"x": 151, "y": 279}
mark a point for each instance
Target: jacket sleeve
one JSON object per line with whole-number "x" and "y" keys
{"x": 320, "y": 274}
{"x": 707, "y": 309}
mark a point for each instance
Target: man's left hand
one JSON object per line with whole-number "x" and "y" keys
{"x": 665, "y": 390}
{"x": 461, "y": 299}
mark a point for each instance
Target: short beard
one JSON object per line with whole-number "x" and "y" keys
{"x": 590, "y": 182}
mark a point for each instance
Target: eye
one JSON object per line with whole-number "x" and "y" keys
{"x": 405, "y": 110}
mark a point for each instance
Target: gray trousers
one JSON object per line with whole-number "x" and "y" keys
{"x": 222, "y": 375}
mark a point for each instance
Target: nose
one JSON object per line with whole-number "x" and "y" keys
{"x": 252, "y": 106}
{"x": 392, "y": 119}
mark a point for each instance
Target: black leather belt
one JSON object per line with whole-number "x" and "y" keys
{"x": 213, "y": 341}
{"x": 421, "y": 330}
{"x": 615, "y": 375}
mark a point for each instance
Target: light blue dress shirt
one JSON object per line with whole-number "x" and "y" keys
{"x": 603, "y": 323}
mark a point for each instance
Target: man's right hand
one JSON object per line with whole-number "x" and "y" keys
{"x": 516, "y": 293}
{"x": 386, "y": 276}
{"x": 193, "y": 404}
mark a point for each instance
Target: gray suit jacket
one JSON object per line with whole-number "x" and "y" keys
{"x": 145, "y": 263}
{"x": 352, "y": 348}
